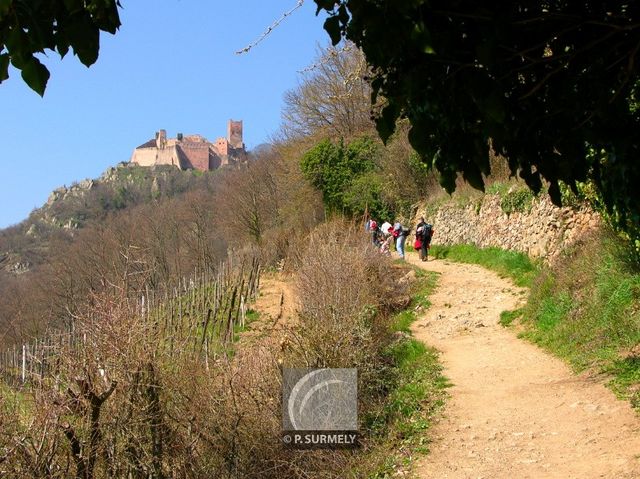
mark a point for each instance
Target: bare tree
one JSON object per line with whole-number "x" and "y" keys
{"x": 333, "y": 98}
{"x": 267, "y": 204}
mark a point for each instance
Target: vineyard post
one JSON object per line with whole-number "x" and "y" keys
{"x": 24, "y": 362}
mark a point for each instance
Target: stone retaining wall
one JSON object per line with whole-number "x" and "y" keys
{"x": 542, "y": 231}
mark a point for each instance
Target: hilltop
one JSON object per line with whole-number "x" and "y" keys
{"x": 69, "y": 208}
{"x": 149, "y": 225}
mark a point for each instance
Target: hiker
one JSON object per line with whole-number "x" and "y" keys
{"x": 375, "y": 234}
{"x": 385, "y": 247}
{"x": 382, "y": 238}
{"x": 400, "y": 234}
{"x": 424, "y": 233}
{"x": 367, "y": 223}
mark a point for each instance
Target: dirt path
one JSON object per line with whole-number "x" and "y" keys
{"x": 276, "y": 305}
{"x": 276, "y": 302}
{"x": 515, "y": 411}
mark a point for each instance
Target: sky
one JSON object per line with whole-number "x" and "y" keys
{"x": 171, "y": 65}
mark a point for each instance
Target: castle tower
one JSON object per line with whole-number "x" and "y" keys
{"x": 234, "y": 134}
{"x": 161, "y": 139}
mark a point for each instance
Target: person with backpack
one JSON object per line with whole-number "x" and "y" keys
{"x": 400, "y": 233}
{"x": 424, "y": 233}
{"x": 376, "y": 234}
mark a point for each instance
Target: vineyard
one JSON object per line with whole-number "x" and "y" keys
{"x": 198, "y": 317}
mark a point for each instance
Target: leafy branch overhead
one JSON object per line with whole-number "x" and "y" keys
{"x": 553, "y": 85}
{"x": 29, "y": 28}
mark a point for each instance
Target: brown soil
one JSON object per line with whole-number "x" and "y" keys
{"x": 276, "y": 305}
{"x": 515, "y": 411}
{"x": 276, "y": 301}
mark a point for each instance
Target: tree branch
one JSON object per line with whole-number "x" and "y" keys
{"x": 270, "y": 28}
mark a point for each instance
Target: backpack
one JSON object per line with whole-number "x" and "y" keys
{"x": 405, "y": 231}
{"x": 427, "y": 232}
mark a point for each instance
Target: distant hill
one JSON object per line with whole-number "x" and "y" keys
{"x": 261, "y": 150}
{"x": 137, "y": 228}
{"x": 69, "y": 208}
{"x": 72, "y": 246}
{"x": 24, "y": 246}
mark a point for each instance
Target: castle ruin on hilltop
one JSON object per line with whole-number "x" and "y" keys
{"x": 192, "y": 151}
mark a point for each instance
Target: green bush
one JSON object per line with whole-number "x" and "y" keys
{"x": 366, "y": 193}
{"x": 518, "y": 199}
{"x": 626, "y": 226}
{"x": 332, "y": 168}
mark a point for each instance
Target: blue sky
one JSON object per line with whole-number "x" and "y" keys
{"x": 172, "y": 65}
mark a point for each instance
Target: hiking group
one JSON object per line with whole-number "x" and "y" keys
{"x": 384, "y": 235}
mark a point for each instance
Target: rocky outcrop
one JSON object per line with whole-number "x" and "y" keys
{"x": 542, "y": 230}
{"x": 75, "y": 190}
{"x": 13, "y": 264}
{"x": 20, "y": 267}
{"x": 111, "y": 173}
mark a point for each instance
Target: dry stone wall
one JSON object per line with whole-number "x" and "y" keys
{"x": 541, "y": 231}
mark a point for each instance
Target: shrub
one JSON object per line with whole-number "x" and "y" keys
{"x": 516, "y": 199}
{"x": 349, "y": 290}
{"x": 332, "y": 167}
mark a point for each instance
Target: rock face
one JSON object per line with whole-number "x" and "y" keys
{"x": 13, "y": 264}
{"x": 542, "y": 231}
{"x": 76, "y": 190}
{"x": 20, "y": 267}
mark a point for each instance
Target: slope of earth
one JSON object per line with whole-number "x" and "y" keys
{"x": 515, "y": 411}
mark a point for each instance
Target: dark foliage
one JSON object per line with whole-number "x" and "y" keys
{"x": 31, "y": 27}
{"x": 553, "y": 84}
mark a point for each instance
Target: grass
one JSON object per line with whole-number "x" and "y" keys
{"x": 416, "y": 394}
{"x": 16, "y": 402}
{"x": 403, "y": 321}
{"x": 585, "y": 310}
{"x": 238, "y": 329}
{"x": 508, "y": 317}
{"x": 251, "y": 316}
{"x": 517, "y": 266}
{"x": 498, "y": 188}
{"x": 626, "y": 378}
{"x": 513, "y": 196}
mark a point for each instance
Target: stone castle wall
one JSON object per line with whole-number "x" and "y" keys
{"x": 196, "y": 156}
{"x": 192, "y": 151}
{"x": 155, "y": 156}
{"x": 144, "y": 156}
{"x": 222, "y": 145}
{"x": 542, "y": 231}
